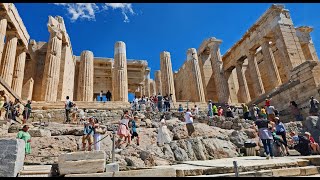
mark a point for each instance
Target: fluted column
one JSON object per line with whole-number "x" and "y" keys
{"x": 243, "y": 86}
{"x": 147, "y": 84}
{"x": 255, "y": 74}
{"x": 167, "y": 75}
{"x": 275, "y": 79}
{"x": 158, "y": 82}
{"x": 9, "y": 57}
{"x": 120, "y": 76}
{"x": 193, "y": 57}
{"x": 152, "y": 88}
{"x": 50, "y": 80}
{"x": 17, "y": 81}
{"x": 3, "y": 31}
{"x": 86, "y": 73}
{"x": 218, "y": 73}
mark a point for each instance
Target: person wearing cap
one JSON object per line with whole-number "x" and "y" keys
{"x": 281, "y": 130}
{"x": 163, "y": 136}
{"x": 26, "y": 137}
{"x": 133, "y": 131}
{"x": 314, "y": 106}
{"x": 220, "y": 111}
{"x": 314, "y": 146}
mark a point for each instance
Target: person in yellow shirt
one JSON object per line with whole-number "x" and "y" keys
{"x": 263, "y": 112}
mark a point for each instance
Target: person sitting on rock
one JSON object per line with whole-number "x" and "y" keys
{"x": 245, "y": 110}
{"x": 229, "y": 112}
{"x": 163, "y": 136}
{"x": 123, "y": 130}
{"x": 314, "y": 106}
{"x": 301, "y": 144}
{"x": 88, "y": 132}
{"x": 133, "y": 131}
{"x": 180, "y": 108}
{"x": 220, "y": 111}
{"x": 314, "y": 146}
{"x": 24, "y": 135}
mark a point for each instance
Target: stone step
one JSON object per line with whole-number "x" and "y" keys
{"x": 245, "y": 164}
{"x": 36, "y": 171}
{"x": 284, "y": 172}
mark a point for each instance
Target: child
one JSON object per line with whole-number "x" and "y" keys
{"x": 134, "y": 129}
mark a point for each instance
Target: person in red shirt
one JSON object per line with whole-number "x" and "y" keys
{"x": 268, "y": 102}
{"x": 314, "y": 146}
{"x": 220, "y": 111}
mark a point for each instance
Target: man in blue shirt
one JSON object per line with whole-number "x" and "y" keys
{"x": 134, "y": 130}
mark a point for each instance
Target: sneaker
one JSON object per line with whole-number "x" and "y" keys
{"x": 268, "y": 157}
{"x": 272, "y": 157}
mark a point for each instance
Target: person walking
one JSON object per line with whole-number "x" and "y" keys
{"x": 271, "y": 113}
{"x": 163, "y": 136}
{"x": 68, "y": 105}
{"x": 27, "y": 111}
{"x": 281, "y": 130}
{"x": 123, "y": 130}
{"x": 134, "y": 132}
{"x": 265, "y": 136}
{"x": 26, "y": 137}
{"x": 189, "y": 122}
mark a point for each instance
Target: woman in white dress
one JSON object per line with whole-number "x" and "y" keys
{"x": 163, "y": 133}
{"x": 96, "y": 136}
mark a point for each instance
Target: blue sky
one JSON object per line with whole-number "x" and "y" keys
{"x": 152, "y": 28}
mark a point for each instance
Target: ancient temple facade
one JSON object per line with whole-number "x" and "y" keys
{"x": 273, "y": 59}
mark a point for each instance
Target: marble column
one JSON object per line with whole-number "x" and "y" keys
{"x": 152, "y": 87}
{"x": 86, "y": 74}
{"x": 120, "y": 75}
{"x": 147, "y": 83}
{"x": 193, "y": 57}
{"x": 9, "y": 58}
{"x": 268, "y": 56}
{"x": 158, "y": 82}
{"x": 255, "y": 74}
{"x": 3, "y": 31}
{"x": 50, "y": 80}
{"x": 167, "y": 75}
{"x": 218, "y": 73}
{"x": 18, "y": 75}
{"x": 243, "y": 86}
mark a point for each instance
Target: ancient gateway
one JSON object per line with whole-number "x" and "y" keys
{"x": 273, "y": 59}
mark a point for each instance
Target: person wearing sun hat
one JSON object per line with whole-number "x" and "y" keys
{"x": 314, "y": 146}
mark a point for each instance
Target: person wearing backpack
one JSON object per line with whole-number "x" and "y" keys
{"x": 68, "y": 105}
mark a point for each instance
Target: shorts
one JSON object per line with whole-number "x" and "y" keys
{"x": 134, "y": 134}
{"x": 190, "y": 128}
{"x": 88, "y": 138}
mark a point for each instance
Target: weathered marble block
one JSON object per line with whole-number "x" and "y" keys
{"x": 12, "y": 152}
{"x": 82, "y": 162}
{"x": 36, "y": 132}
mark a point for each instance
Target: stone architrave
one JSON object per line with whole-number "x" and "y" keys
{"x": 167, "y": 75}
{"x": 17, "y": 81}
{"x": 9, "y": 58}
{"x": 120, "y": 75}
{"x": 86, "y": 73}
{"x": 157, "y": 80}
{"x": 268, "y": 56}
{"x": 3, "y": 31}
{"x": 193, "y": 57}
{"x": 217, "y": 70}
{"x": 255, "y": 73}
{"x": 243, "y": 86}
{"x": 50, "y": 80}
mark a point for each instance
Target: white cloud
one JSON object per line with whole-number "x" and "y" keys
{"x": 87, "y": 11}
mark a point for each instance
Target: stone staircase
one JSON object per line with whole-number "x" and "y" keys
{"x": 81, "y": 104}
{"x": 251, "y": 166}
{"x": 36, "y": 171}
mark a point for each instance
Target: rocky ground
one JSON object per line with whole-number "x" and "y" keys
{"x": 224, "y": 138}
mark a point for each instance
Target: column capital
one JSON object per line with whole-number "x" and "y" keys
{"x": 266, "y": 40}
{"x": 22, "y": 48}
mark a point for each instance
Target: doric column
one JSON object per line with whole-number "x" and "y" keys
{"x": 120, "y": 76}
{"x": 167, "y": 75}
{"x": 243, "y": 86}
{"x": 193, "y": 57}
{"x": 86, "y": 73}
{"x": 152, "y": 87}
{"x": 17, "y": 81}
{"x": 50, "y": 80}
{"x": 147, "y": 83}
{"x": 306, "y": 42}
{"x": 3, "y": 31}
{"x": 9, "y": 57}
{"x": 157, "y": 80}
{"x": 271, "y": 62}
{"x": 217, "y": 68}
{"x": 255, "y": 74}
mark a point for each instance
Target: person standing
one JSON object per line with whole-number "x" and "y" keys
{"x": 271, "y": 113}
{"x": 263, "y": 112}
{"x": 163, "y": 136}
{"x": 159, "y": 97}
{"x": 134, "y": 132}
{"x": 68, "y": 105}
{"x": 265, "y": 136}
{"x": 27, "y": 111}
{"x": 109, "y": 96}
{"x": 88, "y": 132}
{"x": 196, "y": 110}
{"x": 245, "y": 111}
{"x": 97, "y": 135}
{"x": 256, "y": 111}
{"x": 189, "y": 122}
{"x": 24, "y": 135}
{"x": 220, "y": 111}
{"x": 123, "y": 130}
{"x": 314, "y": 106}
{"x": 210, "y": 111}
{"x": 214, "y": 110}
